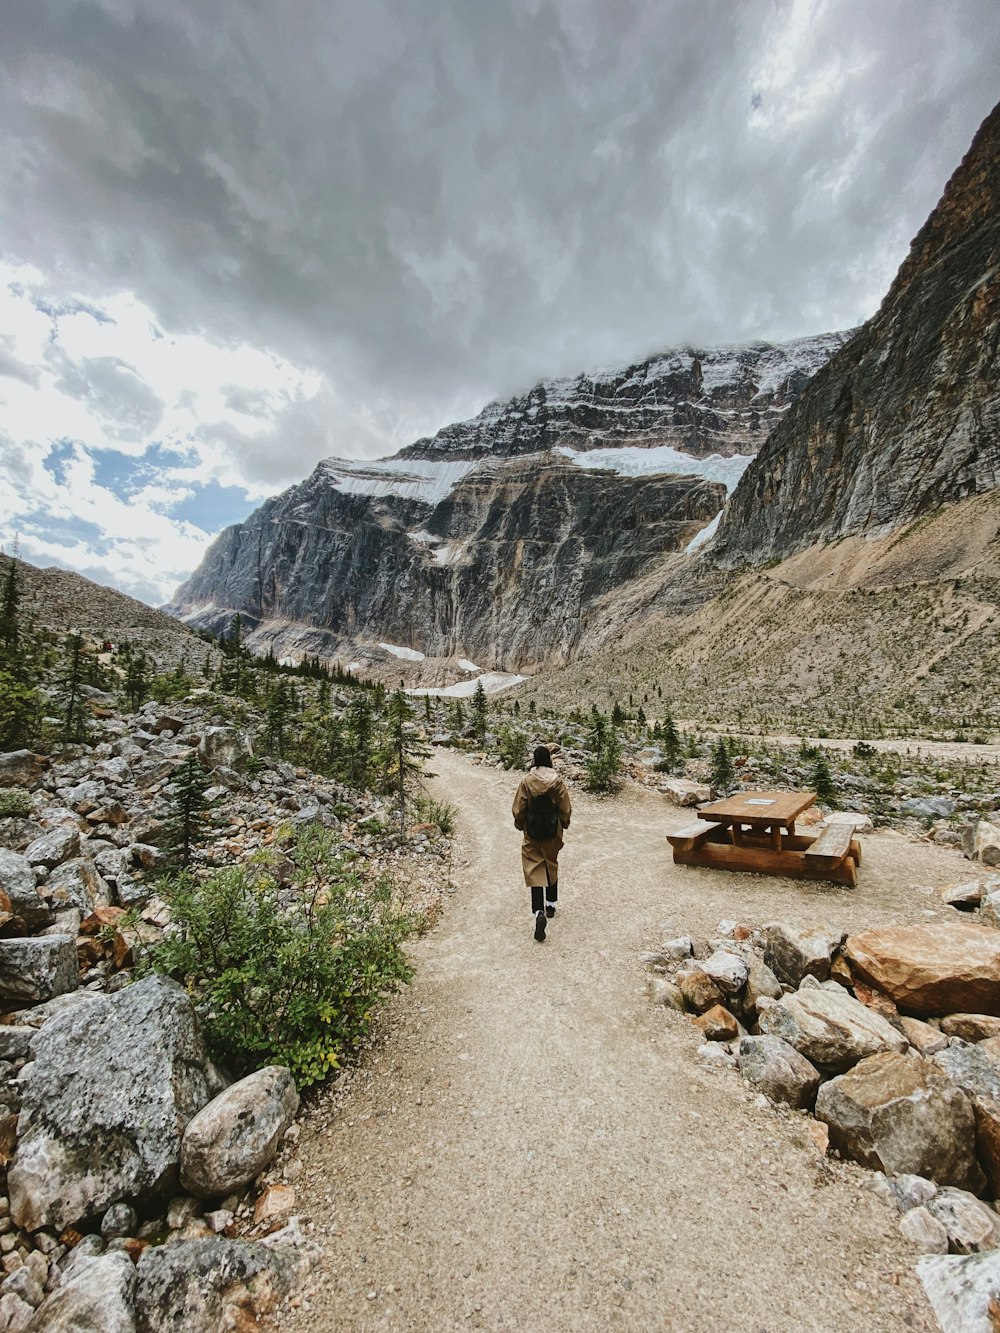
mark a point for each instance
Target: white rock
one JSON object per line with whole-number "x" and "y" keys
{"x": 236, "y": 1136}
{"x": 727, "y": 970}
{"x": 924, "y": 1230}
{"x": 960, "y": 1289}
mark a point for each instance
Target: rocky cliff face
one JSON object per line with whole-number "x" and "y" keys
{"x": 505, "y": 568}
{"x": 720, "y": 400}
{"x": 905, "y": 417}
{"x": 499, "y": 537}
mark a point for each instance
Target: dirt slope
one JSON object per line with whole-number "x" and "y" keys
{"x": 532, "y": 1146}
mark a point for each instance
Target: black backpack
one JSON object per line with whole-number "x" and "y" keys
{"x": 542, "y": 819}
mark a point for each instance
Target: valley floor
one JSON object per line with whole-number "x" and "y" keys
{"x": 531, "y": 1145}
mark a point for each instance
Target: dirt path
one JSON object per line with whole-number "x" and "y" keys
{"x": 532, "y": 1146}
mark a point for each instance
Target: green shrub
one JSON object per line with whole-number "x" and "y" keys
{"x": 14, "y": 802}
{"x": 441, "y": 813}
{"x": 512, "y": 745}
{"x": 288, "y": 975}
{"x": 604, "y": 769}
{"x": 20, "y": 710}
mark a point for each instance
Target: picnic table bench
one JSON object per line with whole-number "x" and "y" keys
{"x": 755, "y": 831}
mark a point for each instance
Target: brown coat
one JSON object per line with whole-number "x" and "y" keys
{"x": 539, "y": 860}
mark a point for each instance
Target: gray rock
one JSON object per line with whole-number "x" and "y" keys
{"x": 683, "y": 792}
{"x": 761, "y": 983}
{"x": 77, "y": 884}
{"x": 94, "y": 1296}
{"x": 829, "y": 1027}
{"x": 793, "y": 952}
{"x": 923, "y": 1228}
{"x": 34, "y": 970}
{"x": 235, "y": 1137}
{"x": 929, "y": 807}
{"x": 225, "y": 747}
{"x": 22, "y": 1282}
{"x": 969, "y": 1069}
{"x": 17, "y": 880}
{"x": 960, "y": 1290}
{"x": 682, "y": 946}
{"x": 971, "y": 1225}
{"x": 15, "y": 1042}
{"x": 778, "y": 1070}
{"x": 727, "y": 970}
{"x": 120, "y": 1220}
{"x": 16, "y": 1314}
{"x": 201, "y": 1286}
{"x": 112, "y": 1087}
{"x": 52, "y": 848}
{"x": 665, "y": 994}
{"x": 912, "y": 1191}
{"x": 898, "y": 1113}
{"x": 22, "y": 768}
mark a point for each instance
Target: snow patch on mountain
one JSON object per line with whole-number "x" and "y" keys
{"x": 660, "y": 460}
{"x": 411, "y": 478}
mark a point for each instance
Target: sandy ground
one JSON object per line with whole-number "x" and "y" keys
{"x": 531, "y": 1145}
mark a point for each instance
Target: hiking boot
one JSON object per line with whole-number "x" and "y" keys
{"x": 550, "y": 910}
{"x": 539, "y": 926}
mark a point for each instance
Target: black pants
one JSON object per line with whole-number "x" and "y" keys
{"x": 550, "y": 893}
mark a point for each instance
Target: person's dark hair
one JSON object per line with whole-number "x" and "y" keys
{"x": 541, "y": 757}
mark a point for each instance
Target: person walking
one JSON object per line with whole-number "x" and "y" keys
{"x": 541, "y": 811}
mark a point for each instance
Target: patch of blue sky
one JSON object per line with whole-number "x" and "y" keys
{"x": 66, "y": 531}
{"x": 61, "y": 452}
{"x": 212, "y": 507}
{"x": 123, "y": 475}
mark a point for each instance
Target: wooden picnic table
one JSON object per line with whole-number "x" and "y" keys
{"x": 755, "y": 831}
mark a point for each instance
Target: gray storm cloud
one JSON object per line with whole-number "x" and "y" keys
{"x": 438, "y": 203}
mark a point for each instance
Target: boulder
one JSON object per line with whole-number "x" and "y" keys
{"x": 52, "y": 848}
{"x": 718, "y": 1024}
{"x": 940, "y": 967}
{"x": 898, "y": 1113}
{"x": 924, "y": 1230}
{"x": 929, "y": 807}
{"x": 922, "y": 1036}
{"x": 829, "y": 1027}
{"x": 987, "y": 1113}
{"x": 969, "y": 1069}
{"x": 202, "y": 1286}
{"x": 113, "y": 1085}
{"x": 761, "y": 982}
{"x": 17, "y": 881}
{"x": 76, "y": 884}
{"x": 971, "y": 1225}
{"x": 859, "y": 822}
{"x": 235, "y": 1137}
{"x": 682, "y": 792}
{"x": 727, "y": 970}
{"x": 961, "y": 1290}
{"x": 665, "y": 994}
{"x": 989, "y": 912}
{"x": 793, "y": 952}
{"x": 971, "y": 1027}
{"x": 22, "y": 768}
{"x": 778, "y": 1070}
{"x": 94, "y": 1296}
{"x": 981, "y": 842}
{"x": 34, "y": 970}
{"x": 681, "y": 946}
{"x": 698, "y": 988}
{"x": 225, "y": 747}
{"x": 967, "y": 895}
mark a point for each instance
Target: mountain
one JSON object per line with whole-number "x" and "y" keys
{"x": 504, "y": 538}
{"x": 904, "y": 418}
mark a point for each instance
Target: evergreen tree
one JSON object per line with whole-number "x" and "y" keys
{"x": 670, "y": 740}
{"x": 617, "y": 715}
{"x": 479, "y": 710}
{"x": 457, "y": 716}
{"x": 74, "y": 723}
{"x": 136, "y": 683}
{"x": 722, "y": 768}
{"x": 10, "y": 600}
{"x": 404, "y": 750}
{"x": 281, "y": 706}
{"x": 187, "y": 812}
{"x": 233, "y": 667}
{"x": 427, "y": 709}
{"x": 822, "y": 781}
{"x": 360, "y": 741}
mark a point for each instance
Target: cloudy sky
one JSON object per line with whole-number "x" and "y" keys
{"x": 239, "y": 237}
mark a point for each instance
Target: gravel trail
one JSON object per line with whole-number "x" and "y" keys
{"x": 529, "y": 1144}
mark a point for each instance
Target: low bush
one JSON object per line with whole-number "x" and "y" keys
{"x": 290, "y": 974}
{"x": 441, "y": 813}
{"x": 15, "y": 802}
{"x": 512, "y": 746}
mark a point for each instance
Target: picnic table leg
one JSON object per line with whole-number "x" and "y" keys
{"x": 776, "y": 837}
